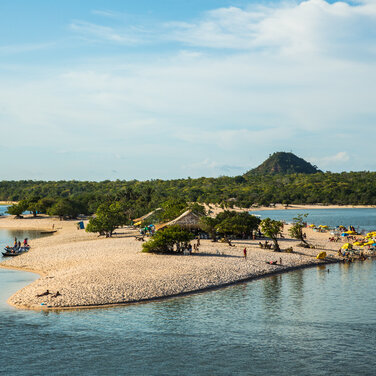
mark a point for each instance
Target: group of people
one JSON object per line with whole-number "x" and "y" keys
{"x": 17, "y": 243}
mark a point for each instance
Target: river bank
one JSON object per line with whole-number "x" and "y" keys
{"x": 89, "y": 271}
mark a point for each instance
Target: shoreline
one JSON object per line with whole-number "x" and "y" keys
{"x": 312, "y": 207}
{"x": 182, "y": 294}
{"x": 78, "y": 265}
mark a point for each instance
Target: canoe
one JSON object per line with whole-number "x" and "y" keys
{"x": 12, "y": 251}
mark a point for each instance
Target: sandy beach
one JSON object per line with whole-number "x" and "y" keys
{"x": 90, "y": 271}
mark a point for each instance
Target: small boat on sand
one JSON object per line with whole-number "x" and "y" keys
{"x": 15, "y": 251}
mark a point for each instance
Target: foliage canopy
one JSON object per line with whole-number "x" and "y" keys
{"x": 272, "y": 228}
{"x": 168, "y": 240}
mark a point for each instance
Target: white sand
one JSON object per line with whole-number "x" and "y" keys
{"x": 92, "y": 271}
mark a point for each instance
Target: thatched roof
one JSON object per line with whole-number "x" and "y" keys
{"x": 187, "y": 220}
{"x": 146, "y": 216}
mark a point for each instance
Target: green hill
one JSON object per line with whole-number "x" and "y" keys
{"x": 284, "y": 163}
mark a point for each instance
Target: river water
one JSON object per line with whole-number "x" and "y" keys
{"x": 363, "y": 219}
{"x": 307, "y": 322}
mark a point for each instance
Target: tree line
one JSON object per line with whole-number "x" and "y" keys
{"x": 347, "y": 188}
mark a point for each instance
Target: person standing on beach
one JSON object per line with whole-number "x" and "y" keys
{"x": 245, "y": 253}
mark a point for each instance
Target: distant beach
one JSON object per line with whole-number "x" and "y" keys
{"x": 89, "y": 271}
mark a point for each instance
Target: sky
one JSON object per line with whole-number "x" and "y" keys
{"x": 96, "y": 90}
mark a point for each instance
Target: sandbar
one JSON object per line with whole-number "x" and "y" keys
{"x": 91, "y": 271}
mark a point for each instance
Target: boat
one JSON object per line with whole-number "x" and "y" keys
{"x": 15, "y": 251}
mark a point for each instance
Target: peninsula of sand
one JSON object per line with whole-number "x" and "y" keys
{"x": 90, "y": 271}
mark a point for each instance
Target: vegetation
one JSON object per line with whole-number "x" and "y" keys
{"x": 230, "y": 223}
{"x": 208, "y": 224}
{"x": 347, "y": 188}
{"x": 296, "y": 230}
{"x": 272, "y": 228}
{"x": 283, "y": 178}
{"x": 284, "y": 163}
{"x": 108, "y": 218}
{"x": 169, "y": 240}
{"x": 17, "y": 209}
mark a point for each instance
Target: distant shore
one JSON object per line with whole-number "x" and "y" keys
{"x": 309, "y": 207}
{"x": 214, "y": 209}
{"x": 8, "y": 202}
{"x": 89, "y": 271}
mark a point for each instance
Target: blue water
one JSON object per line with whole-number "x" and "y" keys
{"x": 308, "y": 322}
{"x": 359, "y": 218}
{"x": 3, "y": 209}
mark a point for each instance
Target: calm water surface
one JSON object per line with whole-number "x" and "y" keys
{"x": 359, "y": 218}
{"x": 308, "y": 322}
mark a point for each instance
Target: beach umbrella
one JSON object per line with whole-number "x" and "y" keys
{"x": 357, "y": 243}
{"x": 344, "y": 234}
{"x": 346, "y": 246}
{"x": 137, "y": 223}
{"x": 312, "y": 226}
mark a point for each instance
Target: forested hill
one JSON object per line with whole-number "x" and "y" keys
{"x": 328, "y": 188}
{"x": 284, "y": 163}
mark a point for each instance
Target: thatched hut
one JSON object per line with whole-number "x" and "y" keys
{"x": 187, "y": 220}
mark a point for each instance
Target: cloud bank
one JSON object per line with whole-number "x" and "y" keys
{"x": 227, "y": 88}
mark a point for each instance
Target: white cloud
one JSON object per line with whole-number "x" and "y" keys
{"x": 24, "y": 48}
{"x": 339, "y": 158}
{"x": 94, "y": 32}
{"x": 193, "y": 109}
{"x": 312, "y": 26}
{"x": 105, "y": 13}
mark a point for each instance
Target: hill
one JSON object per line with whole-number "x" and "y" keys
{"x": 284, "y": 163}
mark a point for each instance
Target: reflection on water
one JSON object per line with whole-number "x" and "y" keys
{"x": 307, "y": 322}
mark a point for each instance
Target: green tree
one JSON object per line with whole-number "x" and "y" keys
{"x": 44, "y": 204}
{"x": 32, "y": 204}
{"x": 108, "y": 218}
{"x": 168, "y": 240}
{"x": 197, "y": 208}
{"x": 17, "y": 209}
{"x": 172, "y": 208}
{"x": 64, "y": 208}
{"x": 208, "y": 225}
{"x": 234, "y": 223}
{"x": 296, "y": 230}
{"x": 271, "y": 228}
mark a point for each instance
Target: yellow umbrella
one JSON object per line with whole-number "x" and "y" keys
{"x": 346, "y": 246}
{"x": 357, "y": 243}
{"x": 137, "y": 223}
{"x": 321, "y": 256}
{"x": 312, "y": 226}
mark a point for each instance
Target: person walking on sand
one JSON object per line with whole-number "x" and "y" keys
{"x": 245, "y": 253}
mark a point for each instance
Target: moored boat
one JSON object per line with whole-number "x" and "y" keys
{"x": 15, "y": 251}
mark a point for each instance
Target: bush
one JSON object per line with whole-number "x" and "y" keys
{"x": 168, "y": 240}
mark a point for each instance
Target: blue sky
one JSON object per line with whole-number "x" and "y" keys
{"x": 96, "y": 90}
